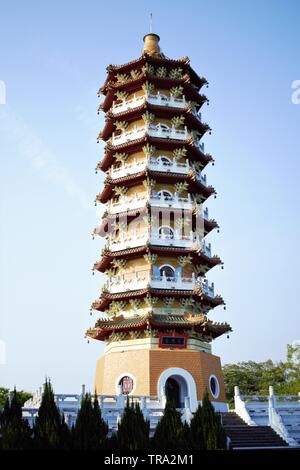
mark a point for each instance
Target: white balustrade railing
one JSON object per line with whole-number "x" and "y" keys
{"x": 137, "y": 201}
{"x": 167, "y": 101}
{"x": 160, "y": 164}
{"x": 135, "y": 238}
{"x": 126, "y": 105}
{"x": 159, "y": 100}
{"x": 128, "y": 136}
{"x": 127, "y": 202}
{"x": 160, "y": 131}
{"x": 140, "y": 280}
{"x": 206, "y": 248}
{"x": 171, "y": 166}
{"x": 207, "y": 289}
{"x": 279, "y": 412}
{"x": 175, "y": 201}
{"x": 131, "y": 281}
{"x": 129, "y": 239}
{"x": 126, "y": 169}
{"x": 170, "y": 282}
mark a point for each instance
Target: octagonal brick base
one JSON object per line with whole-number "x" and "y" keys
{"x": 149, "y": 367}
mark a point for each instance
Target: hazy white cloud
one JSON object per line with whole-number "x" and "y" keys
{"x": 32, "y": 148}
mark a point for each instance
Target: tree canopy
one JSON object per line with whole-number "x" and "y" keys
{"x": 254, "y": 378}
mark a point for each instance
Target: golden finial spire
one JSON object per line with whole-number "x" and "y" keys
{"x": 151, "y": 46}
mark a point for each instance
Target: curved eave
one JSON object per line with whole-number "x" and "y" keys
{"x": 104, "y": 328}
{"x": 194, "y": 153}
{"x": 161, "y": 177}
{"x": 138, "y": 63}
{"x": 164, "y": 112}
{"x": 103, "y": 302}
{"x": 132, "y": 253}
{"x": 160, "y": 82}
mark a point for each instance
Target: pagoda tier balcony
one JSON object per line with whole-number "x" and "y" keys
{"x": 159, "y": 100}
{"x": 141, "y": 279}
{"x": 162, "y": 164}
{"x": 158, "y": 237}
{"x": 161, "y": 199}
{"x": 207, "y": 288}
{"x": 125, "y": 203}
{"x": 160, "y": 131}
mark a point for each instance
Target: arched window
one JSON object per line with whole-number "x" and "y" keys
{"x": 166, "y": 232}
{"x": 167, "y": 271}
{"x": 164, "y": 194}
{"x": 126, "y": 384}
{"x": 164, "y": 97}
{"x": 214, "y": 386}
{"x": 164, "y": 160}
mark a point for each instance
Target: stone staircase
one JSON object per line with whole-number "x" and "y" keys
{"x": 244, "y": 436}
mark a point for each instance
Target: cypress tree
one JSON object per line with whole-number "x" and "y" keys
{"x": 90, "y": 429}
{"x": 15, "y": 431}
{"x": 133, "y": 430}
{"x": 196, "y": 427}
{"x": 169, "y": 433}
{"x": 49, "y": 425}
{"x": 214, "y": 435}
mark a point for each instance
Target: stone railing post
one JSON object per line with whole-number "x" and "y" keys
{"x": 240, "y": 408}
{"x": 187, "y": 414}
{"x": 162, "y": 397}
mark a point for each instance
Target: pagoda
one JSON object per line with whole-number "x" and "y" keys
{"x": 154, "y": 305}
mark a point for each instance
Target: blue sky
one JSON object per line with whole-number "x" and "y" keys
{"x": 52, "y": 60}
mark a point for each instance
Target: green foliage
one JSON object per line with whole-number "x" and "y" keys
{"x": 121, "y": 78}
{"x": 90, "y": 430}
{"x": 121, "y": 125}
{"x": 49, "y": 430}
{"x": 169, "y": 433}
{"x": 181, "y": 187}
{"x": 148, "y": 117}
{"x": 133, "y": 430}
{"x": 161, "y": 72}
{"x": 176, "y": 91}
{"x": 148, "y": 87}
{"x": 177, "y": 121}
{"x": 214, "y": 436}
{"x": 15, "y": 431}
{"x": 121, "y": 95}
{"x": 254, "y": 378}
{"x": 176, "y": 73}
{"x": 179, "y": 153}
{"x": 185, "y": 260}
{"x": 4, "y": 395}
{"x": 196, "y": 431}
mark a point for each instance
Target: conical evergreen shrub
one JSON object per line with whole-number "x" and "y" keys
{"x": 49, "y": 428}
{"x": 90, "y": 429}
{"x": 214, "y": 435}
{"x": 133, "y": 430}
{"x": 15, "y": 431}
{"x": 196, "y": 430}
{"x": 169, "y": 433}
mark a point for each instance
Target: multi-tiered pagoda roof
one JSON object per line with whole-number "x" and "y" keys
{"x": 154, "y": 160}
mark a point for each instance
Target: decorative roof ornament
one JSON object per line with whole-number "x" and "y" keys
{"x": 151, "y": 46}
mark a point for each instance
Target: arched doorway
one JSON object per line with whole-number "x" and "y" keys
{"x": 166, "y": 232}
{"x": 186, "y": 382}
{"x": 172, "y": 390}
{"x": 167, "y": 271}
